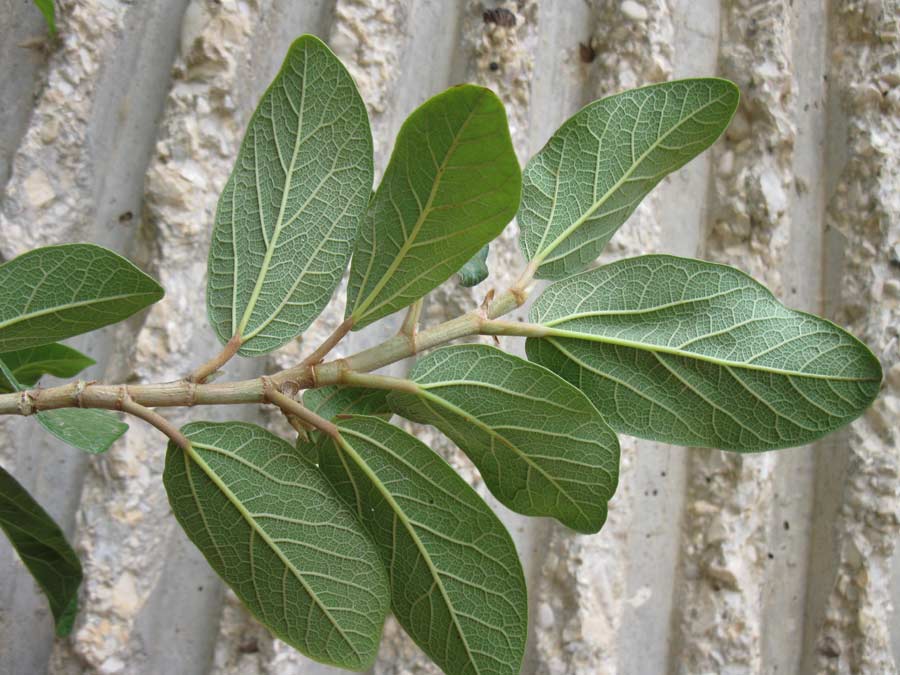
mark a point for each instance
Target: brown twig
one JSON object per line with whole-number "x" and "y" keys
{"x": 215, "y": 363}
{"x": 152, "y": 417}
{"x": 330, "y": 342}
{"x": 297, "y": 409}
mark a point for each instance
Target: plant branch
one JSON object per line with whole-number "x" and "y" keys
{"x": 303, "y": 376}
{"x": 410, "y": 325}
{"x": 378, "y": 381}
{"x": 214, "y": 364}
{"x": 297, "y": 409}
{"x": 152, "y": 417}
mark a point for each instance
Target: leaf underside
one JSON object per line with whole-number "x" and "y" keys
{"x": 540, "y": 445}
{"x": 699, "y": 354}
{"x": 288, "y": 216}
{"x": 55, "y": 292}
{"x": 594, "y": 171}
{"x": 451, "y": 186}
{"x": 273, "y": 528}
{"x": 457, "y": 584}
{"x": 43, "y": 549}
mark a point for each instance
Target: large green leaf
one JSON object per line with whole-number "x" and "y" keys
{"x": 288, "y": 216}
{"x": 43, "y": 549}
{"x": 456, "y": 582}
{"x": 452, "y": 185}
{"x": 696, "y": 353}
{"x": 56, "y": 292}
{"x": 274, "y": 529}
{"x": 541, "y": 446}
{"x": 87, "y": 429}
{"x": 594, "y": 171}
{"x": 331, "y": 401}
{"x": 29, "y": 365}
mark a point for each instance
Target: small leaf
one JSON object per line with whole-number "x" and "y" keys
{"x": 540, "y": 445}
{"x": 49, "y": 12}
{"x": 91, "y": 430}
{"x": 595, "y": 170}
{"x": 452, "y": 185}
{"x": 476, "y": 270}
{"x": 43, "y": 549}
{"x": 273, "y": 528}
{"x": 29, "y": 365}
{"x": 55, "y": 292}
{"x": 700, "y": 354}
{"x": 288, "y": 216}
{"x": 457, "y": 585}
{"x": 328, "y": 402}
{"x": 87, "y": 429}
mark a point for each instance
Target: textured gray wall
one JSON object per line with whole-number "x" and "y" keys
{"x": 124, "y": 133}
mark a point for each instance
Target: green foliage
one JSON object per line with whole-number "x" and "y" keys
{"x": 29, "y": 365}
{"x": 452, "y": 185}
{"x": 276, "y": 532}
{"x": 695, "y": 353}
{"x": 540, "y": 445}
{"x": 456, "y": 583}
{"x": 288, "y": 215}
{"x": 43, "y": 549}
{"x": 49, "y": 12}
{"x": 476, "y": 270}
{"x": 56, "y": 292}
{"x": 319, "y": 540}
{"x": 596, "y": 169}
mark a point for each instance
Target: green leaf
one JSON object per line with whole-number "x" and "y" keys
{"x": 540, "y": 445}
{"x": 43, "y": 549}
{"x": 476, "y": 270}
{"x": 56, "y": 292}
{"x": 594, "y": 171}
{"x": 456, "y": 582}
{"x": 452, "y": 185}
{"x": 274, "y": 529}
{"x": 29, "y": 365}
{"x": 328, "y": 402}
{"x": 87, "y": 429}
{"x": 289, "y": 214}
{"x": 699, "y": 354}
{"x": 49, "y": 12}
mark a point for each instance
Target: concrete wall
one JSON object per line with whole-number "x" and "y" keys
{"x": 124, "y": 132}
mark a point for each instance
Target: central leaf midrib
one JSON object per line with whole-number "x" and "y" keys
{"x": 542, "y": 255}
{"x": 71, "y": 305}
{"x": 490, "y": 432}
{"x": 360, "y": 309}
{"x": 270, "y": 250}
{"x": 248, "y": 517}
{"x": 618, "y": 342}
{"x": 407, "y": 524}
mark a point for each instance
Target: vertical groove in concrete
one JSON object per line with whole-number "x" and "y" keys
{"x": 729, "y": 497}
{"x": 583, "y": 593}
{"x": 864, "y": 216}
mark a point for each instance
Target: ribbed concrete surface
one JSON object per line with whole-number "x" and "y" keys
{"x": 125, "y": 131}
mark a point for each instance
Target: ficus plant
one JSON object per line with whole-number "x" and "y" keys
{"x": 323, "y": 535}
